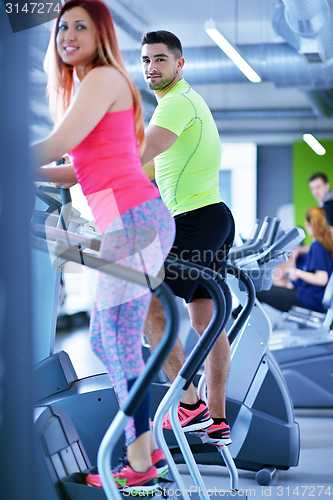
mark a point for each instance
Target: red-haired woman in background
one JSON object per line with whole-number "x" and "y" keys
{"x": 309, "y": 282}
{"x": 99, "y": 123}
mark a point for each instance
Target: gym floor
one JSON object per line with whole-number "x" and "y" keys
{"x": 312, "y": 478}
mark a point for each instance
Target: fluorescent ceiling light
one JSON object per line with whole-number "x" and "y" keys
{"x": 314, "y": 144}
{"x": 232, "y": 53}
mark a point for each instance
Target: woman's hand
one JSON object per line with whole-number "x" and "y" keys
{"x": 67, "y": 160}
{"x": 292, "y": 273}
{"x": 62, "y": 175}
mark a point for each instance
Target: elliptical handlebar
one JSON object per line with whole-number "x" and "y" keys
{"x": 46, "y": 198}
{"x": 221, "y": 295}
{"x": 246, "y": 281}
{"x": 222, "y": 306}
{"x": 273, "y": 233}
{"x": 256, "y": 246}
{"x": 66, "y": 208}
{"x": 65, "y": 196}
{"x": 254, "y": 234}
{"x": 295, "y": 235}
{"x": 261, "y": 263}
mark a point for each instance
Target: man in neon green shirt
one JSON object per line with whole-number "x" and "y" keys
{"x": 187, "y": 172}
{"x": 183, "y": 140}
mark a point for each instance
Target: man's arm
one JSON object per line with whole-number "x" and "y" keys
{"x": 158, "y": 140}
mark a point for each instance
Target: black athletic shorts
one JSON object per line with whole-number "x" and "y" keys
{"x": 203, "y": 236}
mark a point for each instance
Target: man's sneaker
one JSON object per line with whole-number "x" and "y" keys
{"x": 191, "y": 420}
{"x": 218, "y": 434}
{"x": 159, "y": 461}
{"x": 129, "y": 481}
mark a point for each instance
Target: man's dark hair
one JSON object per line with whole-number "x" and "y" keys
{"x": 161, "y": 36}
{"x": 319, "y": 175}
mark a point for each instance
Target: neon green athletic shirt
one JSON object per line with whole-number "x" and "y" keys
{"x": 187, "y": 174}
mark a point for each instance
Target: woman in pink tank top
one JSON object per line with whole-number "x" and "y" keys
{"x": 99, "y": 123}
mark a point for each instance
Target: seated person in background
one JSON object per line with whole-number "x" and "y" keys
{"x": 296, "y": 260}
{"x": 322, "y": 192}
{"x": 308, "y": 284}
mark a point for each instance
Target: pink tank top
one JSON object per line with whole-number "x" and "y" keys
{"x": 108, "y": 167}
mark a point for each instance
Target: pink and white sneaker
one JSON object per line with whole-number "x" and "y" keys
{"x": 191, "y": 420}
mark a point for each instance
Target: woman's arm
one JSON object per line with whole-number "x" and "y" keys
{"x": 300, "y": 250}
{"x": 63, "y": 174}
{"x": 97, "y": 92}
{"x": 319, "y": 278}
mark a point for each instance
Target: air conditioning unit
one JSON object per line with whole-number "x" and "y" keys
{"x": 312, "y": 50}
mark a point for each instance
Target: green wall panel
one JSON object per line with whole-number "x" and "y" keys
{"x": 305, "y": 163}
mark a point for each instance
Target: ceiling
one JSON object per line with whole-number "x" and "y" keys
{"x": 295, "y": 96}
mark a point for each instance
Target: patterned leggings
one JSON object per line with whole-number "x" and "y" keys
{"x": 141, "y": 239}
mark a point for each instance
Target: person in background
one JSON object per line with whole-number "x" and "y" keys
{"x": 322, "y": 192}
{"x": 183, "y": 140}
{"x": 307, "y": 285}
{"x": 100, "y": 124}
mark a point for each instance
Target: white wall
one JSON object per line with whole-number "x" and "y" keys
{"x": 241, "y": 159}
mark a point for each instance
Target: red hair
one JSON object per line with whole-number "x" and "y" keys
{"x": 321, "y": 230}
{"x": 60, "y": 75}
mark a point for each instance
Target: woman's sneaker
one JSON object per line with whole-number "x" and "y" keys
{"x": 218, "y": 434}
{"x": 159, "y": 461}
{"x": 191, "y": 420}
{"x": 129, "y": 481}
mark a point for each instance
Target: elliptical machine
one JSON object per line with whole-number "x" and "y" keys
{"x": 254, "y": 384}
{"x": 302, "y": 343}
{"x": 259, "y": 408}
{"x": 64, "y": 456}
